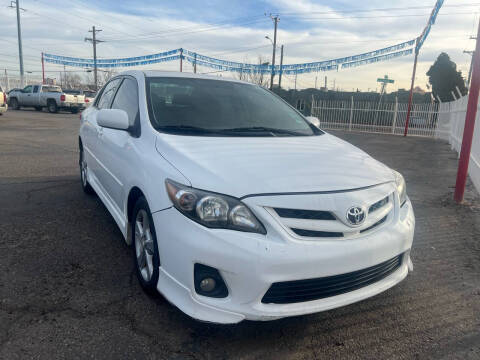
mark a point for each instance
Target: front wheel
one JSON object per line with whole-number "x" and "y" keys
{"x": 14, "y": 104}
{"x": 84, "y": 173}
{"x": 147, "y": 259}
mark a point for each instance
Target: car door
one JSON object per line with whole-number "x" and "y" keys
{"x": 34, "y": 98}
{"x": 115, "y": 146}
{"x": 91, "y": 131}
{"x": 26, "y": 95}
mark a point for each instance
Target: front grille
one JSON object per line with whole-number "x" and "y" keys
{"x": 313, "y": 289}
{"x": 304, "y": 214}
{"x": 379, "y": 222}
{"x": 378, "y": 205}
{"x": 315, "y": 233}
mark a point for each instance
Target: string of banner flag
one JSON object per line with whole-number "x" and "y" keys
{"x": 384, "y": 54}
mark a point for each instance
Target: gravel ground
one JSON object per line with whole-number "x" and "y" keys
{"x": 67, "y": 287}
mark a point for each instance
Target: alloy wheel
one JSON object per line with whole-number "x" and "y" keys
{"x": 144, "y": 245}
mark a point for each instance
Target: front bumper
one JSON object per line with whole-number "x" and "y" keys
{"x": 250, "y": 263}
{"x": 3, "y": 108}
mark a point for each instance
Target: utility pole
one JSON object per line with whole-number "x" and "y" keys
{"x": 181, "y": 60}
{"x": 281, "y": 68}
{"x": 195, "y": 64}
{"x": 316, "y": 82}
{"x": 43, "y": 70}
{"x": 19, "y": 33}
{"x": 275, "y": 22}
{"x": 94, "y": 41}
{"x": 295, "y": 81}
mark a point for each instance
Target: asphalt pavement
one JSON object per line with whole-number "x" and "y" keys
{"x": 68, "y": 290}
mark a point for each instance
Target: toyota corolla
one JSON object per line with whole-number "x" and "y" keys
{"x": 236, "y": 205}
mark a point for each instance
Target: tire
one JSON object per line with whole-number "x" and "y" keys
{"x": 74, "y": 111}
{"x": 87, "y": 189}
{"x": 14, "y": 104}
{"x": 38, "y": 108}
{"x": 52, "y": 106}
{"x": 145, "y": 247}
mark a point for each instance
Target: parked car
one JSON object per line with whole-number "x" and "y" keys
{"x": 3, "y": 101}
{"x": 49, "y": 96}
{"x": 236, "y": 205}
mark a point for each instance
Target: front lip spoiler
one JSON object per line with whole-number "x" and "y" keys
{"x": 315, "y": 192}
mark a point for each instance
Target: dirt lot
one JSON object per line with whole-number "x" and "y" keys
{"x": 67, "y": 288}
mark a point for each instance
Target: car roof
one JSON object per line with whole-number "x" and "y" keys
{"x": 177, "y": 74}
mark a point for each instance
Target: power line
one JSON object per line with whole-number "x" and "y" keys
{"x": 180, "y": 33}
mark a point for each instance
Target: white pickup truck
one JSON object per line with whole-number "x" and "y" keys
{"x": 49, "y": 96}
{"x": 3, "y": 101}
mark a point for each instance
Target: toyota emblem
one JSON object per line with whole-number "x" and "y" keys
{"x": 356, "y": 215}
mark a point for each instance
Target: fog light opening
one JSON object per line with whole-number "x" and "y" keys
{"x": 209, "y": 282}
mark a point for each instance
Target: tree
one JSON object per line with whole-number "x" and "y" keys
{"x": 256, "y": 78}
{"x": 444, "y": 78}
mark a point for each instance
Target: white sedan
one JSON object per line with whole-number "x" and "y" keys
{"x": 237, "y": 206}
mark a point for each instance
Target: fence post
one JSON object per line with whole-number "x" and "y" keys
{"x": 351, "y": 116}
{"x": 395, "y": 115}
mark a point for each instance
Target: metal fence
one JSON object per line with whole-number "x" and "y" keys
{"x": 376, "y": 117}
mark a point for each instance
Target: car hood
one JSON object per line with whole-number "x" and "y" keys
{"x": 241, "y": 166}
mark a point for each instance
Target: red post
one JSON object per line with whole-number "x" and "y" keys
{"x": 43, "y": 70}
{"x": 469, "y": 124}
{"x": 410, "y": 97}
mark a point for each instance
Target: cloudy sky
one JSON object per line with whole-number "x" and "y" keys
{"x": 235, "y": 30}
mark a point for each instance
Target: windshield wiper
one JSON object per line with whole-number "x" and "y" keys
{"x": 187, "y": 129}
{"x": 262, "y": 130}
{"x": 248, "y": 131}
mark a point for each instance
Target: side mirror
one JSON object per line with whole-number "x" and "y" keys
{"x": 113, "y": 119}
{"x": 314, "y": 121}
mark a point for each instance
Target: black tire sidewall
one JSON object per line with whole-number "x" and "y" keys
{"x": 52, "y": 107}
{"x": 150, "y": 286}
{"x": 14, "y": 104}
{"x": 86, "y": 188}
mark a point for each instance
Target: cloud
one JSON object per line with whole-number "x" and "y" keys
{"x": 310, "y": 31}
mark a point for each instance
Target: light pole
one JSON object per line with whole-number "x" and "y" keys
{"x": 275, "y": 22}
{"x": 273, "y": 63}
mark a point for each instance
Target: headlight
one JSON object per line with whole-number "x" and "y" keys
{"x": 401, "y": 187}
{"x": 213, "y": 210}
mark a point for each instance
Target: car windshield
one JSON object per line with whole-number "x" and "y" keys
{"x": 189, "y": 106}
